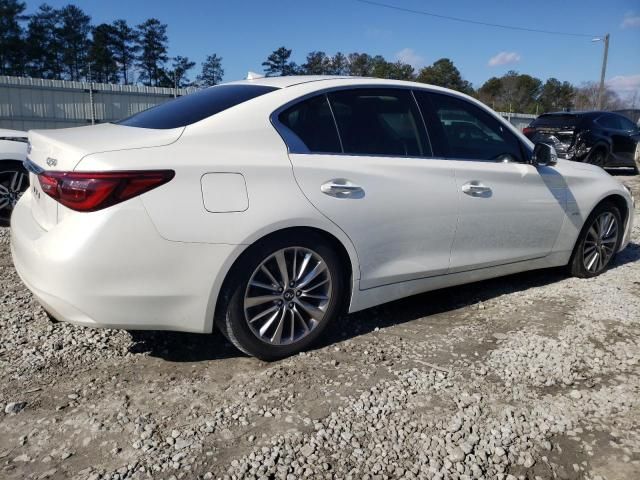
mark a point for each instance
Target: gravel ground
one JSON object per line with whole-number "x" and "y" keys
{"x": 532, "y": 376}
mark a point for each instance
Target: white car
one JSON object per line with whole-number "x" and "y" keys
{"x": 13, "y": 176}
{"x": 264, "y": 207}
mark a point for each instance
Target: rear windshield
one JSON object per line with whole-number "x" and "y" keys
{"x": 560, "y": 121}
{"x": 194, "y": 107}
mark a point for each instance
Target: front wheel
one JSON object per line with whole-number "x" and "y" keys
{"x": 283, "y": 295}
{"x": 598, "y": 242}
{"x": 14, "y": 181}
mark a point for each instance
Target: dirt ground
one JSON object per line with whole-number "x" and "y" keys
{"x": 533, "y": 376}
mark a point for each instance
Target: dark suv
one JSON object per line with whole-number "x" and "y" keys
{"x": 602, "y": 138}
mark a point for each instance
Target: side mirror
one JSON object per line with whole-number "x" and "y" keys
{"x": 544, "y": 154}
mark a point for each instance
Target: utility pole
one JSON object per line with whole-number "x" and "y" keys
{"x": 604, "y": 71}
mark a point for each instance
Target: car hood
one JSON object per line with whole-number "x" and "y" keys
{"x": 63, "y": 149}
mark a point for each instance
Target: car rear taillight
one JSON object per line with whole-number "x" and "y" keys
{"x": 528, "y": 131}
{"x": 91, "y": 191}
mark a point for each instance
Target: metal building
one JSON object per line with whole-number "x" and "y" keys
{"x": 27, "y": 103}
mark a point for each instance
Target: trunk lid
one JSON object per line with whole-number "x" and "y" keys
{"x": 62, "y": 150}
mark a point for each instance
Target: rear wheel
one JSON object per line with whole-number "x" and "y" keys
{"x": 598, "y": 157}
{"x": 283, "y": 295}
{"x": 14, "y": 181}
{"x": 598, "y": 242}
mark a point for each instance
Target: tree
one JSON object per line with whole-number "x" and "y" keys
{"x": 152, "y": 40}
{"x": 178, "y": 73}
{"x": 339, "y": 65}
{"x": 586, "y": 97}
{"x": 360, "y": 64}
{"x": 519, "y": 92}
{"x": 102, "y": 56}
{"x": 125, "y": 48}
{"x": 278, "y": 63}
{"x": 212, "y": 71}
{"x": 73, "y": 34}
{"x": 318, "y": 63}
{"x": 444, "y": 73}
{"x": 43, "y": 44}
{"x": 11, "y": 37}
{"x": 556, "y": 95}
{"x": 490, "y": 91}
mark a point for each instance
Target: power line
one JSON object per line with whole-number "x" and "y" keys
{"x": 475, "y": 22}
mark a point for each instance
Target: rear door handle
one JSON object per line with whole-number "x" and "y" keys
{"x": 341, "y": 188}
{"x": 476, "y": 189}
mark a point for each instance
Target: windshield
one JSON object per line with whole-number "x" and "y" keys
{"x": 192, "y": 108}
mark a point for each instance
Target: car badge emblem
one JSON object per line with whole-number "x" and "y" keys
{"x": 52, "y": 162}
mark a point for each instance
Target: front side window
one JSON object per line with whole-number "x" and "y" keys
{"x": 379, "y": 122}
{"x": 197, "y": 106}
{"x": 464, "y": 131}
{"x": 312, "y": 122}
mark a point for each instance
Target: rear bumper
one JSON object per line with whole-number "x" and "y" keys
{"x": 112, "y": 269}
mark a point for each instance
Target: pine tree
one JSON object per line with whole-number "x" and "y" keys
{"x": 102, "y": 57}
{"x": 212, "y": 71}
{"x": 125, "y": 48}
{"x": 43, "y": 44}
{"x": 152, "y": 40}
{"x": 278, "y": 63}
{"x": 73, "y": 34}
{"x": 12, "y": 46}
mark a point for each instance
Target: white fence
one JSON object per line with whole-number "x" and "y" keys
{"x": 27, "y": 103}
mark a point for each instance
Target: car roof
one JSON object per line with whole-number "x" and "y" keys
{"x": 323, "y": 81}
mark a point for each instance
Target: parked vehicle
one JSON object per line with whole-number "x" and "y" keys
{"x": 264, "y": 207}
{"x": 602, "y": 138}
{"x": 13, "y": 177}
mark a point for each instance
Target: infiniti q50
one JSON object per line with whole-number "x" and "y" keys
{"x": 261, "y": 208}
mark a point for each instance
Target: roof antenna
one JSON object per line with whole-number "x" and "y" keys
{"x": 253, "y": 75}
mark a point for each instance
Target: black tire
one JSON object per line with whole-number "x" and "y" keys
{"x": 8, "y": 195}
{"x": 598, "y": 156}
{"x": 231, "y": 319}
{"x": 577, "y": 266}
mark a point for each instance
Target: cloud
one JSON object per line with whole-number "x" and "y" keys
{"x": 408, "y": 55}
{"x": 624, "y": 83}
{"x": 504, "y": 58}
{"x": 630, "y": 20}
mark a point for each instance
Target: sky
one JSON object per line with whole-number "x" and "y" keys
{"x": 244, "y": 32}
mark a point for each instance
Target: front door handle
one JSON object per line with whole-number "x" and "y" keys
{"x": 341, "y": 188}
{"x": 476, "y": 189}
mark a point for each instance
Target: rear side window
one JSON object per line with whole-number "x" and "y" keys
{"x": 556, "y": 121}
{"x": 312, "y": 122}
{"x": 616, "y": 122}
{"x": 195, "y": 107}
{"x": 609, "y": 121}
{"x": 379, "y": 122}
{"x": 464, "y": 131}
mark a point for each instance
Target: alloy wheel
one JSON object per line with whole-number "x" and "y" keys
{"x": 287, "y": 296}
{"x": 600, "y": 242}
{"x": 13, "y": 183}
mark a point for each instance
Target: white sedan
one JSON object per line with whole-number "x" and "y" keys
{"x": 264, "y": 207}
{"x": 13, "y": 176}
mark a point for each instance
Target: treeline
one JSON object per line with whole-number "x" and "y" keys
{"x": 63, "y": 44}
{"x": 513, "y": 91}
